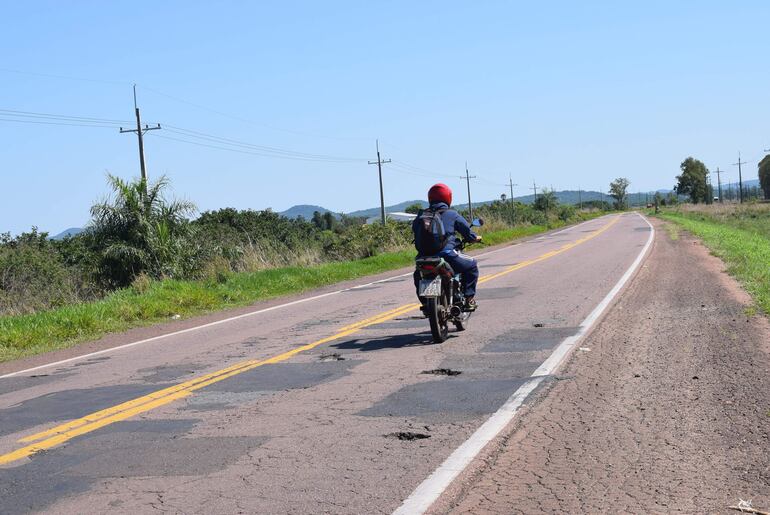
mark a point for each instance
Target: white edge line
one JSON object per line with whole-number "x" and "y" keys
{"x": 225, "y": 320}
{"x": 423, "y": 497}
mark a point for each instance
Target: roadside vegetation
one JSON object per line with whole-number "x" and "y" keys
{"x": 737, "y": 234}
{"x": 142, "y": 260}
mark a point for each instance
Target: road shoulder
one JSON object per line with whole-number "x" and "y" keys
{"x": 666, "y": 406}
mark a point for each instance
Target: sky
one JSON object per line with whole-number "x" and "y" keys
{"x": 271, "y": 104}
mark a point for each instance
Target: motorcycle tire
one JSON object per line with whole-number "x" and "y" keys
{"x": 439, "y": 328}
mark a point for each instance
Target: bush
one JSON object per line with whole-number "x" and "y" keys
{"x": 33, "y": 276}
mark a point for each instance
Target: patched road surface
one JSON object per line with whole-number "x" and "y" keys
{"x": 337, "y": 404}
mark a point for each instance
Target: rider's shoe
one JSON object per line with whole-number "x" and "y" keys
{"x": 470, "y": 305}
{"x": 424, "y": 310}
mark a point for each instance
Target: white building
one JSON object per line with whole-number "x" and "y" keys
{"x": 396, "y": 217}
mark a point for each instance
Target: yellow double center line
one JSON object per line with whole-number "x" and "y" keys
{"x": 64, "y": 432}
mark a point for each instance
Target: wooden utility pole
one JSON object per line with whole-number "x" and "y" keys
{"x": 140, "y": 134}
{"x": 513, "y": 204}
{"x": 740, "y": 176}
{"x": 719, "y": 183}
{"x": 468, "y": 183}
{"x": 379, "y": 164}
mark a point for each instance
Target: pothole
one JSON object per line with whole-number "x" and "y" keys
{"x": 442, "y": 372}
{"x": 407, "y": 436}
{"x": 331, "y": 357}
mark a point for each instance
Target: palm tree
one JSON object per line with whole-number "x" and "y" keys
{"x": 139, "y": 231}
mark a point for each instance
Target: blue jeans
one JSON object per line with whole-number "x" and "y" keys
{"x": 461, "y": 264}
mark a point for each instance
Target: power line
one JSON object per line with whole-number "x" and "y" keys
{"x": 42, "y": 122}
{"x": 51, "y": 116}
{"x": 241, "y": 151}
{"x": 261, "y": 148}
{"x": 246, "y": 120}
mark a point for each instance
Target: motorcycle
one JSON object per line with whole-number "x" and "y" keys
{"x": 441, "y": 289}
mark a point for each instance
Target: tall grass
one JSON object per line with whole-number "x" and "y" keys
{"x": 740, "y": 236}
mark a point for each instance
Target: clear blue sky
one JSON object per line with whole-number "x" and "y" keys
{"x": 570, "y": 94}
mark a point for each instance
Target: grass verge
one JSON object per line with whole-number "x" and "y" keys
{"x": 159, "y": 301}
{"x": 745, "y": 251}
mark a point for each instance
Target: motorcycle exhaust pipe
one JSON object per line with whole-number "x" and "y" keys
{"x": 455, "y": 311}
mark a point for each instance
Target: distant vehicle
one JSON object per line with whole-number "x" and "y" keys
{"x": 716, "y": 199}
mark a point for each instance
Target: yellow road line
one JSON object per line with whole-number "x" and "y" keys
{"x": 64, "y": 432}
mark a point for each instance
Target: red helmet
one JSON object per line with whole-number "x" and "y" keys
{"x": 440, "y": 193}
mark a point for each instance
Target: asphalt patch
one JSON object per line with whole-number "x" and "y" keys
{"x": 284, "y": 376}
{"x": 69, "y": 404}
{"x": 480, "y": 365}
{"x": 442, "y": 400}
{"x": 525, "y": 340}
{"x": 398, "y": 341}
{"x": 124, "y": 449}
{"x": 15, "y": 384}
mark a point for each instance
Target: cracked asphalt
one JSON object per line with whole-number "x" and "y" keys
{"x": 352, "y": 425}
{"x": 668, "y": 412}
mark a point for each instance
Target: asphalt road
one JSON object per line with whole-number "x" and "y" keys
{"x": 323, "y": 405}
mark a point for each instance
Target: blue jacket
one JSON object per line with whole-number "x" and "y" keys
{"x": 453, "y": 223}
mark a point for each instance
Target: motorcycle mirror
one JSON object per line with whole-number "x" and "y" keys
{"x": 478, "y": 222}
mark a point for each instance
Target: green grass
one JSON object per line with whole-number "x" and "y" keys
{"x": 160, "y": 301}
{"x": 742, "y": 242}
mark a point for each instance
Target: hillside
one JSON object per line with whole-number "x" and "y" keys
{"x": 304, "y": 210}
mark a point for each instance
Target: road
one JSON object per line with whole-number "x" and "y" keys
{"x": 319, "y": 405}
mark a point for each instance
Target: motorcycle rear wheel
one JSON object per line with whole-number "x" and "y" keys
{"x": 439, "y": 328}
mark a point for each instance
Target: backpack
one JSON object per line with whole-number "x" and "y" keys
{"x": 429, "y": 236}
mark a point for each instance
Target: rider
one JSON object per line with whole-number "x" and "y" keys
{"x": 440, "y": 198}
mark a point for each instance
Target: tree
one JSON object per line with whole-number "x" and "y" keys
{"x": 618, "y": 189}
{"x": 139, "y": 231}
{"x": 546, "y": 200}
{"x": 329, "y": 221}
{"x": 414, "y": 208}
{"x": 764, "y": 175}
{"x": 317, "y": 220}
{"x": 693, "y": 181}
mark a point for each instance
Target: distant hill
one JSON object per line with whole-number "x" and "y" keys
{"x": 374, "y": 211}
{"x": 305, "y": 211}
{"x": 72, "y": 231}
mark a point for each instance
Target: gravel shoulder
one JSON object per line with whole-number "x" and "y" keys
{"x": 669, "y": 410}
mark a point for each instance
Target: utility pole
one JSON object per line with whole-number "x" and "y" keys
{"x": 719, "y": 183}
{"x": 468, "y": 183}
{"x": 379, "y": 164}
{"x": 140, "y": 134}
{"x": 534, "y": 190}
{"x": 513, "y": 204}
{"x": 740, "y": 176}
{"x": 580, "y": 198}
